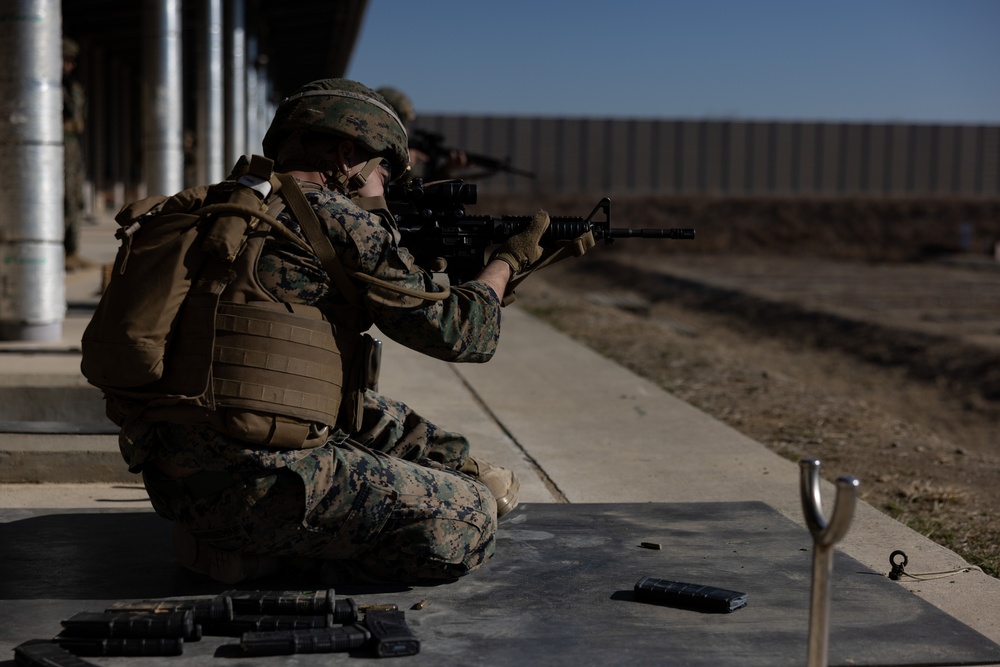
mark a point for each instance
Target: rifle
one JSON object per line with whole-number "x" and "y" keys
{"x": 268, "y": 622}
{"x": 432, "y": 145}
{"x": 433, "y": 225}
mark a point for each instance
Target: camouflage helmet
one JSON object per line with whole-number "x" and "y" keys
{"x": 345, "y": 108}
{"x": 70, "y": 49}
{"x": 400, "y": 102}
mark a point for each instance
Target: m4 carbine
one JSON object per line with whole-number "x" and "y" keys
{"x": 433, "y": 226}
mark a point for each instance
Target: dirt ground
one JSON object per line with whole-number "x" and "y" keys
{"x": 888, "y": 374}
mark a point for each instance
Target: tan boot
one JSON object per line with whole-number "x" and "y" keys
{"x": 76, "y": 263}
{"x": 501, "y": 482}
{"x": 223, "y": 566}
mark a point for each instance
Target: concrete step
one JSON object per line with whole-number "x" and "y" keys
{"x": 53, "y": 429}
{"x": 68, "y": 407}
{"x": 38, "y": 458}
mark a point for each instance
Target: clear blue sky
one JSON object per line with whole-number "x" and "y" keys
{"x": 849, "y": 60}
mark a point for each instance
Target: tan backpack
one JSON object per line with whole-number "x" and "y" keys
{"x": 184, "y": 333}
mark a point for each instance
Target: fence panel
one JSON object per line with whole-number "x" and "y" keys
{"x": 730, "y": 157}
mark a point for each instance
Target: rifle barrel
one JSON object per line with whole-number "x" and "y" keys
{"x": 624, "y": 232}
{"x": 565, "y": 228}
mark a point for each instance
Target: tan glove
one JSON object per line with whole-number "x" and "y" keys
{"x": 523, "y": 249}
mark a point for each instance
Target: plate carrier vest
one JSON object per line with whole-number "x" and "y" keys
{"x": 184, "y": 332}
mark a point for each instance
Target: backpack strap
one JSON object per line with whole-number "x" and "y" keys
{"x": 323, "y": 247}
{"x": 564, "y": 249}
{"x": 317, "y": 238}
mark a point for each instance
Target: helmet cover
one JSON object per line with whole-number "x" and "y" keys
{"x": 344, "y": 108}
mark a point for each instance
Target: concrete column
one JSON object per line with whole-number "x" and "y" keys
{"x": 254, "y": 136}
{"x": 236, "y": 89}
{"x": 211, "y": 106}
{"x": 163, "y": 129}
{"x": 32, "y": 280}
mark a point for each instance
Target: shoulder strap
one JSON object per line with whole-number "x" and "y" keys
{"x": 323, "y": 248}
{"x": 317, "y": 238}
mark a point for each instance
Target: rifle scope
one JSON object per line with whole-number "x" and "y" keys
{"x": 440, "y": 194}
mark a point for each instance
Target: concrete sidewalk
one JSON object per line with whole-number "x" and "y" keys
{"x": 575, "y": 427}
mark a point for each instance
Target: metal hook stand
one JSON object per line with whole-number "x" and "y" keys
{"x": 824, "y": 535}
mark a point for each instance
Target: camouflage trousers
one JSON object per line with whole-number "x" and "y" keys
{"x": 73, "y": 204}
{"x": 386, "y": 505}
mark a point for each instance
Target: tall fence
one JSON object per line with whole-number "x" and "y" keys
{"x": 730, "y": 158}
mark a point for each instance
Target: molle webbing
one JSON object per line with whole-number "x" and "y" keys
{"x": 271, "y": 360}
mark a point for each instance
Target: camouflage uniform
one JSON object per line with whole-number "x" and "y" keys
{"x": 74, "y": 123}
{"x": 386, "y": 504}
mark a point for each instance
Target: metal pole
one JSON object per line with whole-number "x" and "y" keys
{"x": 32, "y": 275}
{"x": 236, "y": 96}
{"x": 162, "y": 83}
{"x": 824, "y": 535}
{"x": 261, "y": 104}
{"x": 211, "y": 109}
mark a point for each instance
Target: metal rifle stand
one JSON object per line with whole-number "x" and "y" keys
{"x": 824, "y": 535}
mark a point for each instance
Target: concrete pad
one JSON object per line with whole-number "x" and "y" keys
{"x": 558, "y": 591}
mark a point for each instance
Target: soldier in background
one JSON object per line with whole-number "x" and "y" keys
{"x": 432, "y": 160}
{"x": 423, "y": 165}
{"x": 74, "y": 124}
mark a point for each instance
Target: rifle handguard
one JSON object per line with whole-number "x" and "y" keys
{"x": 523, "y": 249}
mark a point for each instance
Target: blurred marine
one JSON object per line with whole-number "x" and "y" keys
{"x": 74, "y": 124}
{"x": 432, "y": 160}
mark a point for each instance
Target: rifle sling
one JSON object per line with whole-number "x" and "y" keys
{"x": 317, "y": 238}
{"x": 324, "y": 250}
{"x": 564, "y": 249}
